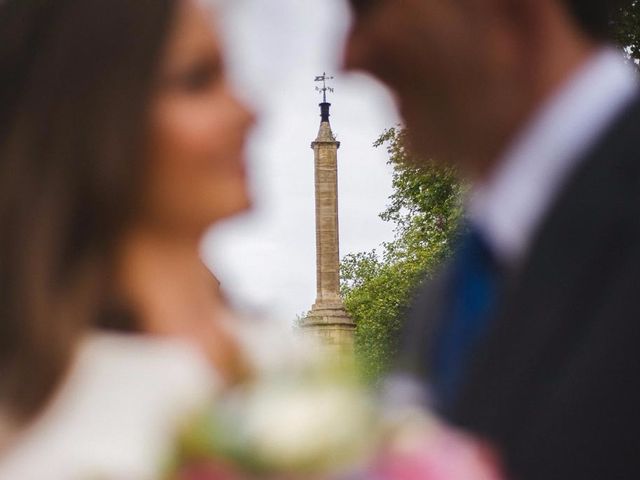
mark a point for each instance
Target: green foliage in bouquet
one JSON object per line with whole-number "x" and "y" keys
{"x": 378, "y": 286}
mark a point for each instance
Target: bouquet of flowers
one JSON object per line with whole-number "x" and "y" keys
{"x": 312, "y": 421}
{"x": 302, "y": 422}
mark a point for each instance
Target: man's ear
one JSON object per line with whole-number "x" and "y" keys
{"x": 540, "y": 22}
{"x": 521, "y": 14}
{"x": 360, "y": 7}
{"x": 501, "y": 14}
{"x": 526, "y": 20}
{"x": 540, "y": 15}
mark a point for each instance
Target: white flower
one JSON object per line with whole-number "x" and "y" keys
{"x": 307, "y": 427}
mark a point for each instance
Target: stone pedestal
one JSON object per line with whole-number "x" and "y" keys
{"x": 332, "y": 327}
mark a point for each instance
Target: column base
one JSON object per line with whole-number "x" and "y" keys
{"x": 331, "y": 325}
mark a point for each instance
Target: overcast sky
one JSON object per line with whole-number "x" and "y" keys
{"x": 266, "y": 259}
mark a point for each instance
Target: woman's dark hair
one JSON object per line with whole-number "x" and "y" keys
{"x": 595, "y": 16}
{"x": 76, "y": 77}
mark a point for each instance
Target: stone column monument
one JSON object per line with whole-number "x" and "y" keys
{"x": 328, "y": 319}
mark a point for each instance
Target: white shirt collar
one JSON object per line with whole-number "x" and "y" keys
{"x": 510, "y": 205}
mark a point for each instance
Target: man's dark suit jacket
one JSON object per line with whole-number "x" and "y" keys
{"x": 556, "y": 386}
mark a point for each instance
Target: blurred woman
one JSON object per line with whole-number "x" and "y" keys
{"x": 121, "y": 142}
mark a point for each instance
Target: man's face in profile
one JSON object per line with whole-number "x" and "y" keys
{"x": 444, "y": 61}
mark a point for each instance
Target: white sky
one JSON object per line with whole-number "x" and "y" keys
{"x": 266, "y": 259}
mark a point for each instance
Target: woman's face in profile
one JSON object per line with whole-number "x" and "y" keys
{"x": 198, "y": 128}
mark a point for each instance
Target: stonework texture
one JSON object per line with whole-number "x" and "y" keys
{"x": 328, "y": 320}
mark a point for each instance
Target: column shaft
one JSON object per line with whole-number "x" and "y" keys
{"x": 327, "y": 241}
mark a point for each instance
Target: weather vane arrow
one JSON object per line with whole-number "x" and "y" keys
{"x": 323, "y": 78}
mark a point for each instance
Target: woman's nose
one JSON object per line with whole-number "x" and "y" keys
{"x": 245, "y": 116}
{"x": 248, "y": 115}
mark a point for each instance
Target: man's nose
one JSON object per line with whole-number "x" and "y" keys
{"x": 355, "y": 52}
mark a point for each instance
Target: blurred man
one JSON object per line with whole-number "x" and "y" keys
{"x": 531, "y": 337}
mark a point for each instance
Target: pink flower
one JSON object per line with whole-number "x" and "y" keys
{"x": 438, "y": 453}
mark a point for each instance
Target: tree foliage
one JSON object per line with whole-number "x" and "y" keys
{"x": 627, "y": 29}
{"x": 425, "y": 208}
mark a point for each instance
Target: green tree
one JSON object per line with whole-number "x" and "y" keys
{"x": 627, "y": 29}
{"x": 425, "y": 208}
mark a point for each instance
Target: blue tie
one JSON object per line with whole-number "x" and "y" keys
{"x": 469, "y": 304}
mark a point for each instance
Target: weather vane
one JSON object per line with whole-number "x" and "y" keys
{"x": 323, "y": 78}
